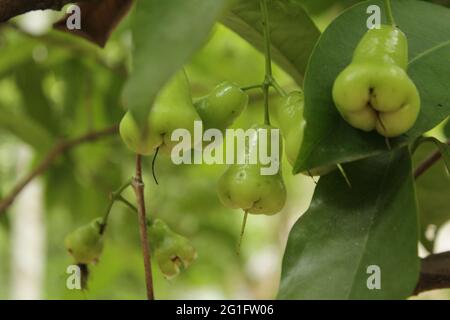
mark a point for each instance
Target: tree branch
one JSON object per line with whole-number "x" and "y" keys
{"x": 54, "y": 153}
{"x": 138, "y": 186}
{"x": 11, "y": 8}
{"x": 434, "y": 273}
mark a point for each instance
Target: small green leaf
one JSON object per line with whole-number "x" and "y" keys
{"x": 293, "y": 33}
{"x": 346, "y": 230}
{"x": 328, "y": 138}
{"x": 165, "y": 35}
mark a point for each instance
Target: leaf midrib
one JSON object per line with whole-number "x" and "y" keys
{"x": 378, "y": 205}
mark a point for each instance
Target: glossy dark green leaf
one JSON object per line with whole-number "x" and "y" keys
{"x": 328, "y": 138}
{"x": 433, "y": 189}
{"x": 293, "y": 33}
{"x": 444, "y": 149}
{"x": 346, "y": 230}
{"x": 165, "y": 35}
{"x": 447, "y": 130}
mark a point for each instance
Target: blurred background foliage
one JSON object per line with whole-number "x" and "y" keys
{"x": 55, "y": 86}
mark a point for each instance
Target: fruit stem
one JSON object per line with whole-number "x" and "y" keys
{"x": 133, "y": 208}
{"x": 127, "y": 203}
{"x": 390, "y": 15}
{"x": 268, "y": 77}
{"x": 255, "y": 86}
{"x": 138, "y": 186}
{"x": 277, "y": 87}
{"x": 244, "y": 223}
{"x": 265, "y": 16}
{"x": 114, "y": 195}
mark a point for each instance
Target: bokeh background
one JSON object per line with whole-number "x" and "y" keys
{"x": 53, "y": 85}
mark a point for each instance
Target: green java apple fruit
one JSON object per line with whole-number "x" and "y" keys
{"x": 243, "y": 186}
{"x": 289, "y": 117}
{"x": 172, "y": 251}
{"x": 222, "y": 106}
{"x": 85, "y": 244}
{"x": 374, "y": 92}
{"x": 173, "y": 109}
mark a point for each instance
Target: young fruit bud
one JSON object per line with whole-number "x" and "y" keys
{"x": 374, "y": 92}
{"x": 222, "y": 106}
{"x": 85, "y": 244}
{"x": 173, "y": 109}
{"x": 172, "y": 251}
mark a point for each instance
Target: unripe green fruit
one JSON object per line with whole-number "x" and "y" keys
{"x": 374, "y": 92}
{"x": 243, "y": 186}
{"x": 172, "y": 251}
{"x": 173, "y": 109}
{"x": 289, "y": 116}
{"x": 85, "y": 244}
{"x": 222, "y": 106}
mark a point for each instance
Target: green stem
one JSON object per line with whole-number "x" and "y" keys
{"x": 114, "y": 196}
{"x": 268, "y": 78}
{"x": 127, "y": 203}
{"x": 390, "y": 15}
{"x": 265, "y": 16}
{"x": 277, "y": 87}
{"x": 255, "y": 86}
{"x": 266, "y": 104}
{"x": 133, "y": 208}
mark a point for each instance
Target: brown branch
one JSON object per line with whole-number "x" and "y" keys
{"x": 428, "y": 163}
{"x": 434, "y": 273}
{"x": 54, "y": 153}
{"x": 138, "y": 186}
{"x": 11, "y": 8}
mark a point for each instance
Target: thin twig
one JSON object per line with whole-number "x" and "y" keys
{"x": 54, "y": 153}
{"x": 428, "y": 163}
{"x": 434, "y": 273}
{"x": 138, "y": 186}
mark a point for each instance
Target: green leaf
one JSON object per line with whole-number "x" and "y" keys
{"x": 447, "y": 129}
{"x": 25, "y": 129}
{"x": 346, "y": 230}
{"x": 328, "y": 138}
{"x": 293, "y": 33}
{"x": 165, "y": 35}
{"x": 443, "y": 148}
{"x": 432, "y": 188}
